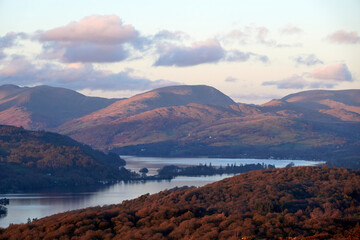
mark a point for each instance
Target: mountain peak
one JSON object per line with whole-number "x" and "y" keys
{"x": 201, "y": 94}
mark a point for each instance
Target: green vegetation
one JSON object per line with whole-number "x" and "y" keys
{"x": 302, "y": 202}
{"x": 31, "y": 160}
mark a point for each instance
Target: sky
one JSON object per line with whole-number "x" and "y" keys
{"x": 251, "y": 50}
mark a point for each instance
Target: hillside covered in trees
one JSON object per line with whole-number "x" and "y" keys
{"x": 32, "y": 160}
{"x": 302, "y": 202}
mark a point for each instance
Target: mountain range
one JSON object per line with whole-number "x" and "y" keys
{"x": 196, "y": 121}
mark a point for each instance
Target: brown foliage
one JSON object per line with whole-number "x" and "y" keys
{"x": 301, "y": 203}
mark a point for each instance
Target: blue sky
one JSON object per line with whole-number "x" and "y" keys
{"x": 253, "y": 51}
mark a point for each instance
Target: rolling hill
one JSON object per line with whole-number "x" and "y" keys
{"x": 290, "y": 203}
{"x": 44, "y": 107}
{"x": 307, "y": 125}
{"x": 201, "y": 121}
{"x": 35, "y": 160}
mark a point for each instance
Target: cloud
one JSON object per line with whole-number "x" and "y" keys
{"x": 9, "y": 40}
{"x": 238, "y": 56}
{"x": 85, "y": 52}
{"x": 291, "y": 30}
{"x": 293, "y": 82}
{"x": 169, "y": 35}
{"x": 200, "y": 52}
{"x": 258, "y": 35}
{"x": 342, "y": 36}
{"x": 231, "y": 79}
{"x": 324, "y": 77}
{"x": 241, "y": 36}
{"x": 299, "y": 82}
{"x": 262, "y": 35}
{"x": 95, "y": 29}
{"x": 337, "y": 72}
{"x": 308, "y": 60}
{"x": 94, "y": 38}
{"x": 75, "y": 76}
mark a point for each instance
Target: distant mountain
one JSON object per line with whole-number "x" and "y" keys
{"x": 45, "y": 107}
{"x": 33, "y": 160}
{"x": 290, "y": 203}
{"x": 319, "y": 105}
{"x": 163, "y": 122}
{"x": 197, "y": 121}
{"x": 155, "y": 99}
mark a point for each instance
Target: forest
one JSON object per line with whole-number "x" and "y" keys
{"x": 288, "y": 203}
{"x": 33, "y": 160}
{"x": 172, "y": 171}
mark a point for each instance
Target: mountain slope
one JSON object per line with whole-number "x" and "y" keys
{"x": 37, "y": 160}
{"x": 306, "y": 125}
{"x": 158, "y": 98}
{"x": 44, "y": 107}
{"x": 197, "y": 121}
{"x": 303, "y": 202}
{"x": 319, "y": 105}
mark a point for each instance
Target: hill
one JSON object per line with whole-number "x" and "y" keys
{"x": 198, "y": 121}
{"x": 145, "y": 102}
{"x": 301, "y": 202}
{"x": 32, "y": 160}
{"x": 306, "y": 125}
{"x": 44, "y": 107}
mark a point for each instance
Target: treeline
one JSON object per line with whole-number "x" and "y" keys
{"x": 347, "y": 156}
{"x": 3, "y": 209}
{"x": 208, "y": 170}
{"x": 300, "y": 202}
{"x": 33, "y": 160}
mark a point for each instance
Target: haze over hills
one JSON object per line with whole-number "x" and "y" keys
{"x": 45, "y": 107}
{"x": 302, "y": 203}
{"x": 202, "y": 121}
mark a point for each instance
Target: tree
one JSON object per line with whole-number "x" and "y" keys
{"x": 144, "y": 171}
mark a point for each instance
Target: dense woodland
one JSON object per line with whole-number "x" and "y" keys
{"x": 32, "y": 160}
{"x": 303, "y": 202}
{"x": 171, "y": 171}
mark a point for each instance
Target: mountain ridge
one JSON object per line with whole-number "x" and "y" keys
{"x": 45, "y": 107}
{"x": 197, "y": 120}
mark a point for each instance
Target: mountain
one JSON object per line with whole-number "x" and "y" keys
{"x": 289, "y": 203}
{"x": 164, "y": 122}
{"x": 159, "y": 98}
{"x": 44, "y": 107}
{"x": 33, "y": 160}
{"x": 319, "y": 105}
{"x": 198, "y": 121}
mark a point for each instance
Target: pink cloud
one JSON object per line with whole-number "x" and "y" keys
{"x": 92, "y": 39}
{"x": 96, "y": 29}
{"x": 290, "y": 30}
{"x": 338, "y": 72}
{"x": 342, "y": 36}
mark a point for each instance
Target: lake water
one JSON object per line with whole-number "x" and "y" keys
{"x": 38, "y": 205}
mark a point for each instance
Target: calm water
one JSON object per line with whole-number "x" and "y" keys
{"x": 38, "y": 205}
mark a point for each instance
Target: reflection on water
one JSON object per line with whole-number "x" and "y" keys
{"x": 154, "y": 163}
{"x": 38, "y": 205}
{"x": 24, "y": 206}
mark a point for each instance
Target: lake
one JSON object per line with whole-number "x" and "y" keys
{"x": 38, "y": 205}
